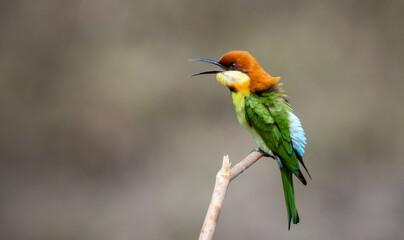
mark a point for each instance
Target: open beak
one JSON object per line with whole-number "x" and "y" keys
{"x": 210, "y": 71}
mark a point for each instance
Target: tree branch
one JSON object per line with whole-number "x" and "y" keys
{"x": 223, "y": 178}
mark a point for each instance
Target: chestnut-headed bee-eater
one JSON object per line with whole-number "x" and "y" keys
{"x": 263, "y": 108}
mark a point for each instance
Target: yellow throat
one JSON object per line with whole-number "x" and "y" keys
{"x": 235, "y": 80}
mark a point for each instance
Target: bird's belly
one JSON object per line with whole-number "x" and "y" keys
{"x": 261, "y": 144}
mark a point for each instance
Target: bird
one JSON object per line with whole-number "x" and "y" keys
{"x": 263, "y": 108}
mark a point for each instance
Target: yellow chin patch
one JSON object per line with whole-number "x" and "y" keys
{"x": 235, "y": 80}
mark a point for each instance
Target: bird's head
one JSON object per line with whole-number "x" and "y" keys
{"x": 241, "y": 72}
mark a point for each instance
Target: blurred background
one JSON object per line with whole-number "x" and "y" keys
{"x": 104, "y": 136}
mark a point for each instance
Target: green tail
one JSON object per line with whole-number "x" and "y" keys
{"x": 287, "y": 182}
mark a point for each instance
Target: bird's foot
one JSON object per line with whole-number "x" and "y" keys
{"x": 262, "y": 152}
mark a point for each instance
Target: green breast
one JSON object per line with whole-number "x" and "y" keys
{"x": 239, "y": 105}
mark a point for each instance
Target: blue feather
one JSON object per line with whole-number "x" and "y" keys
{"x": 297, "y": 133}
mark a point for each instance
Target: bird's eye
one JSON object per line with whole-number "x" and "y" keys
{"x": 233, "y": 66}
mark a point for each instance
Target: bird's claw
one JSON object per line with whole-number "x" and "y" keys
{"x": 262, "y": 152}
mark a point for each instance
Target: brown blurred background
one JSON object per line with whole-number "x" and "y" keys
{"x": 104, "y": 136}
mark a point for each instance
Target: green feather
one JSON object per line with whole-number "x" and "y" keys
{"x": 268, "y": 115}
{"x": 287, "y": 182}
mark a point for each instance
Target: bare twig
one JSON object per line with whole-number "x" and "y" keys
{"x": 223, "y": 178}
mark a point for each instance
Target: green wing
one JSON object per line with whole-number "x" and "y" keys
{"x": 268, "y": 114}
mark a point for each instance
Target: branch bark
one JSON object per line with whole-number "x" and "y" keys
{"x": 223, "y": 178}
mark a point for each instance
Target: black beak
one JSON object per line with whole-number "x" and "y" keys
{"x": 209, "y": 61}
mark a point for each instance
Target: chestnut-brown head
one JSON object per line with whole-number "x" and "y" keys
{"x": 241, "y": 72}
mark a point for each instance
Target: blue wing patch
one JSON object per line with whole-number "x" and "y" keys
{"x": 297, "y": 133}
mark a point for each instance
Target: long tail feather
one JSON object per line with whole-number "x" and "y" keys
{"x": 287, "y": 181}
